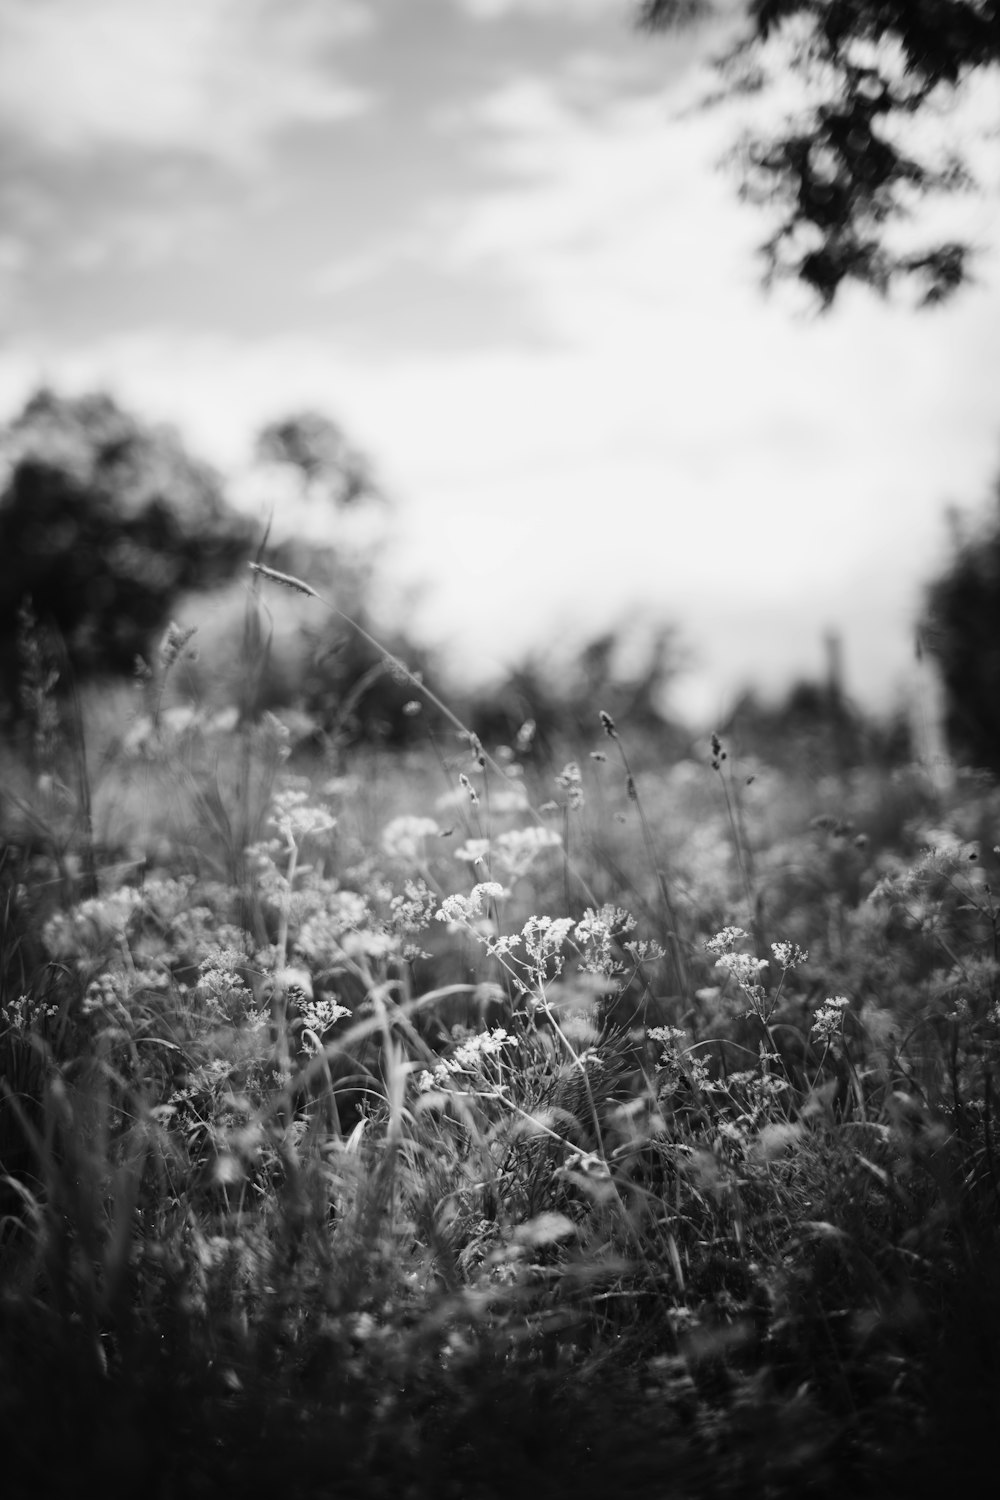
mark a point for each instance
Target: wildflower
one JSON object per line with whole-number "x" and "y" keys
{"x": 295, "y": 820}
{"x": 219, "y": 977}
{"x": 518, "y": 849}
{"x": 404, "y": 838}
{"x": 525, "y": 735}
{"x": 413, "y": 909}
{"x": 513, "y": 800}
{"x": 317, "y": 1017}
{"x": 608, "y": 725}
{"x": 743, "y": 967}
{"x": 646, "y": 952}
{"x": 788, "y": 955}
{"x": 412, "y": 708}
{"x": 570, "y": 781}
{"x": 545, "y": 936}
{"x": 830, "y": 1018}
{"x": 465, "y": 909}
{"x": 473, "y": 851}
{"x": 725, "y": 941}
{"x": 596, "y": 932}
{"x": 467, "y": 1058}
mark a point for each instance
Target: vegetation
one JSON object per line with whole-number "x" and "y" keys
{"x": 440, "y": 1123}
{"x": 104, "y": 522}
{"x": 847, "y": 170}
{"x": 961, "y": 619}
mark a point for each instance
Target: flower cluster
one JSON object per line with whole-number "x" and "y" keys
{"x": 829, "y": 1019}
{"x": 544, "y": 937}
{"x": 405, "y": 839}
{"x": 513, "y": 852}
{"x": 467, "y": 1058}
{"x": 788, "y": 955}
{"x": 295, "y": 819}
{"x": 317, "y": 1017}
{"x": 87, "y": 930}
{"x": 743, "y": 967}
{"x": 677, "y": 1064}
{"x": 465, "y": 910}
{"x": 596, "y": 933}
{"x": 570, "y": 781}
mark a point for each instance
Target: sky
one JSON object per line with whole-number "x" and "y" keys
{"x": 492, "y": 239}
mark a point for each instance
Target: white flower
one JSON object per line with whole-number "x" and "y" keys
{"x": 516, "y": 850}
{"x": 405, "y": 838}
{"x": 830, "y": 1017}
{"x": 742, "y": 966}
{"x": 788, "y": 955}
{"x": 465, "y": 909}
{"x": 725, "y": 941}
{"x": 473, "y": 851}
{"x": 295, "y": 820}
{"x": 467, "y": 1058}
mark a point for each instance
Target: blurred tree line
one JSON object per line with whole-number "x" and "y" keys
{"x": 107, "y": 525}
{"x": 960, "y": 629}
{"x": 104, "y": 522}
{"x": 109, "y": 528}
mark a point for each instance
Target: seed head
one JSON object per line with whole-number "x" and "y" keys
{"x": 285, "y": 579}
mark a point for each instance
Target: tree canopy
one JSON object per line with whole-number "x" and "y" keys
{"x": 960, "y": 628}
{"x": 316, "y": 447}
{"x": 104, "y": 521}
{"x": 847, "y": 171}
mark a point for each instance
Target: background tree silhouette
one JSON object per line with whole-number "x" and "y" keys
{"x": 339, "y": 678}
{"x": 960, "y": 629}
{"x": 316, "y": 447}
{"x": 104, "y": 521}
{"x": 846, "y": 172}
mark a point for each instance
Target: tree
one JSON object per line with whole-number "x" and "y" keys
{"x": 844, "y": 174}
{"x": 314, "y": 445}
{"x": 104, "y": 521}
{"x": 961, "y": 631}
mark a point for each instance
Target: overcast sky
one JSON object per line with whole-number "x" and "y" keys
{"x": 489, "y": 237}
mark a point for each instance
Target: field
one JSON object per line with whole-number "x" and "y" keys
{"x": 449, "y": 1121}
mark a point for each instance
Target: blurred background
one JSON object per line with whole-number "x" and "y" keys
{"x": 460, "y": 300}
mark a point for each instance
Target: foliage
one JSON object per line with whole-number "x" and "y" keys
{"x": 961, "y": 631}
{"x": 445, "y": 1142}
{"x": 631, "y": 676}
{"x": 314, "y": 445}
{"x": 103, "y": 522}
{"x": 848, "y": 170}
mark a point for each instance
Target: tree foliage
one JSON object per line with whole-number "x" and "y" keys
{"x": 315, "y": 445}
{"x": 104, "y": 521}
{"x": 961, "y": 630}
{"x": 846, "y": 172}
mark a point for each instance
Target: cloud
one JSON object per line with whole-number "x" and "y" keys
{"x": 214, "y": 77}
{"x": 756, "y": 475}
{"x": 500, "y": 10}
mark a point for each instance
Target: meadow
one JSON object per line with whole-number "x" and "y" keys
{"x": 451, "y": 1120}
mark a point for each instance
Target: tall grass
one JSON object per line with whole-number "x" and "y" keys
{"x": 451, "y": 1158}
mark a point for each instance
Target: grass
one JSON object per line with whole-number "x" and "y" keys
{"x": 443, "y": 1124}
